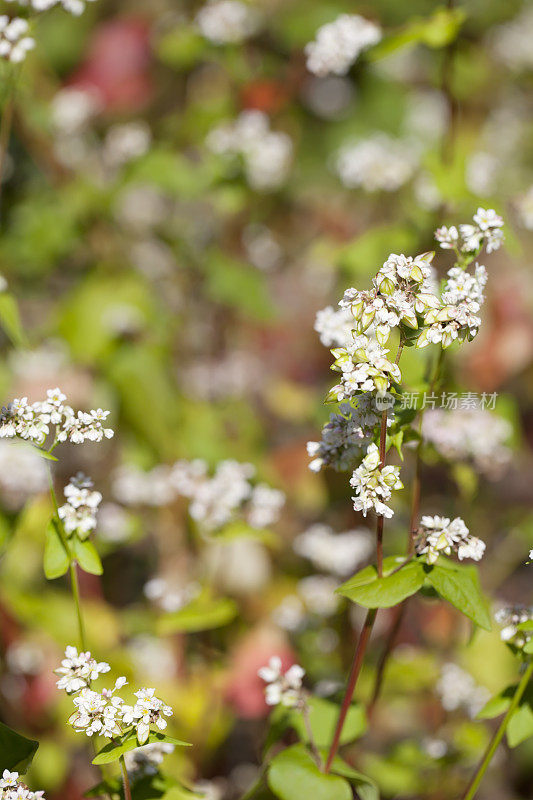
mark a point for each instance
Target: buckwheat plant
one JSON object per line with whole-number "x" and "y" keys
{"x": 403, "y": 307}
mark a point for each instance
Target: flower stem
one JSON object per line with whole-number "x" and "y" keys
{"x": 312, "y": 744}
{"x": 498, "y": 736}
{"x": 125, "y": 779}
{"x": 352, "y": 680}
{"x": 74, "y": 583}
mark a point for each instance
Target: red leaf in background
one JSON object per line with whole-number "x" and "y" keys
{"x": 245, "y": 690}
{"x": 267, "y": 96}
{"x": 117, "y": 65}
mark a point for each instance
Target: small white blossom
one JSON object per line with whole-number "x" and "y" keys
{"x": 146, "y": 760}
{"x": 264, "y": 506}
{"x": 337, "y": 553}
{"x": 374, "y": 484}
{"x": 14, "y": 43}
{"x": 227, "y": 21}
{"x": 379, "y": 163}
{"x": 458, "y": 689}
{"x": 11, "y": 788}
{"x": 339, "y": 44}
{"x": 149, "y": 710}
{"x": 282, "y": 688}
{"x": 77, "y": 670}
{"x": 78, "y": 514}
{"x": 509, "y": 617}
{"x": 334, "y": 327}
{"x": 98, "y": 712}
{"x": 437, "y": 535}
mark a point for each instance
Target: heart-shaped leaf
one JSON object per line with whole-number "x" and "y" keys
{"x": 459, "y": 585}
{"x": 86, "y": 555}
{"x": 16, "y": 751}
{"x": 113, "y": 750}
{"x": 56, "y": 556}
{"x": 367, "y": 590}
{"x": 293, "y": 775}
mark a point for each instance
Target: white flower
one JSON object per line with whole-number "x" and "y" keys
{"x": 14, "y": 43}
{"x": 145, "y": 760}
{"x": 447, "y": 237}
{"x": 79, "y": 512}
{"x": 338, "y": 553}
{"x": 510, "y": 617}
{"x": 374, "y": 484}
{"x": 438, "y": 535}
{"x": 339, "y": 43}
{"x": 379, "y": 163}
{"x": 148, "y": 710}
{"x": 77, "y": 670}
{"x": 487, "y": 218}
{"x": 334, "y": 327}
{"x": 98, "y": 712}
{"x": 264, "y": 506}
{"x": 227, "y": 21}
{"x": 458, "y": 689}
{"x": 13, "y": 789}
{"x": 284, "y": 688}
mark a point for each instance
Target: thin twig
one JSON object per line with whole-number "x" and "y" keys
{"x": 125, "y": 779}
{"x": 312, "y": 744}
{"x": 399, "y": 612}
{"x": 498, "y": 736}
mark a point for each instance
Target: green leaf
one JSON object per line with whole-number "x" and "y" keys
{"x": 459, "y": 585}
{"x": 16, "y": 751}
{"x": 520, "y": 726}
{"x": 436, "y": 31}
{"x": 201, "y": 615}
{"x": 86, "y": 555}
{"x": 498, "y": 704}
{"x": 56, "y": 556}
{"x": 113, "y": 750}
{"x": 293, "y": 775}
{"x": 365, "y": 787}
{"x": 10, "y": 320}
{"x": 366, "y": 589}
{"x": 528, "y": 647}
{"x": 239, "y": 286}
{"x": 323, "y": 716}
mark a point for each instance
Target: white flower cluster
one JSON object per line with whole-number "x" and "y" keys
{"x": 77, "y": 670}
{"x": 472, "y": 434}
{"x": 374, "y": 485}
{"x": 379, "y": 163}
{"x": 78, "y": 514}
{"x": 75, "y": 7}
{"x": 170, "y": 596}
{"x": 35, "y": 422}
{"x": 439, "y": 535}
{"x": 13, "y": 789}
{"x": 227, "y": 21}
{"x": 486, "y": 230}
{"x": 339, "y": 44}
{"x": 510, "y": 617}
{"x": 215, "y": 500}
{"x": 23, "y": 474}
{"x": 337, "y": 553}
{"x": 267, "y": 154}
{"x": 282, "y": 688}
{"x": 364, "y": 368}
{"x": 14, "y": 42}
{"x": 346, "y": 433}
{"x": 145, "y": 760}
{"x": 334, "y": 327}
{"x": 105, "y": 713}
{"x": 458, "y": 689}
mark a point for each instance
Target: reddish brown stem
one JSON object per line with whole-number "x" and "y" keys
{"x": 399, "y": 612}
{"x": 352, "y": 680}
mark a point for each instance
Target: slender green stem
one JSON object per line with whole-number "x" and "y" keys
{"x": 498, "y": 736}
{"x": 312, "y": 744}
{"x": 125, "y": 779}
{"x": 74, "y": 583}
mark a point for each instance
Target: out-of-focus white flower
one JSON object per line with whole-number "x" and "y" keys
{"x": 141, "y": 207}
{"x": 262, "y": 249}
{"x": 14, "y": 42}
{"x": 146, "y": 760}
{"x": 240, "y": 566}
{"x": 338, "y": 44}
{"x": 524, "y": 206}
{"x": 330, "y": 97}
{"x": 264, "y": 506}
{"x": 282, "y": 688}
{"x": 511, "y": 42}
{"x": 437, "y": 535}
{"x": 149, "y": 710}
{"x": 473, "y": 434}
{"x": 374, "y": 484}
{"x": 509, "y": 617}
{"x": 481, "y": 172}
{"x": 77, "y": 670}
{"x": 267, "y": 154}
{"x": 334, "y": 327}
{"x": 377, "y": 163}
{"x": 458, "y": 689}
{"x": 290, "y": 614}
{"x": 318, "y": 594}
{"x": 227, "y": 21}
{"x": 170, "y": 595}
{"x": 22, "y": 474}
{"x": 126, "y": 142}
{"x": 78, "y": 514}
{"x": 338, "y": 553}
{"x": 426, "y": 116}
{"x": 72, "y": 109}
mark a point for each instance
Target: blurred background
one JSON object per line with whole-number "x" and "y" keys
{"x": 180, "y": 197}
